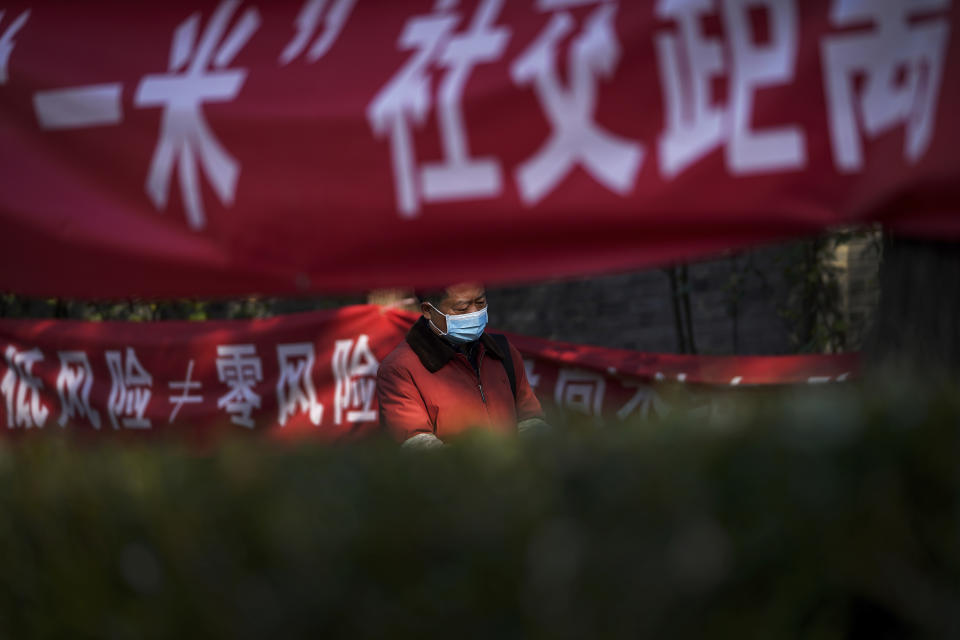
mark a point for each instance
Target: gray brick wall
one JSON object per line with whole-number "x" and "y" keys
{"x": 635, "y": 310}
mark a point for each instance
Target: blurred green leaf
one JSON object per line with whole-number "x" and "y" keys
{"x": 829, "y": 512}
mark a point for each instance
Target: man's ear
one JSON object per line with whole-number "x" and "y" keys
{"x": 425, "y": 310}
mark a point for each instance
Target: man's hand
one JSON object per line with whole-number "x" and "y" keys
{"x": 533, "y": 427}
{"x": 422, "y": 441}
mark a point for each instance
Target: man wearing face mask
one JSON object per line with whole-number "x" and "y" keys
{"x": 449, "y": 375}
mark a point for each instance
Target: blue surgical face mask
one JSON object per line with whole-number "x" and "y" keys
{"x": 464, "y": 327}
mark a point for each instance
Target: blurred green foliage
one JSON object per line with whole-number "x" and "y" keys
{"x": 818, "y": 513}
{"x": 814, "y": 309}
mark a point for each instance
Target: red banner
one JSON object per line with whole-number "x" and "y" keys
{"x": 313, "y": 374}
{"x": 217, "y": 148}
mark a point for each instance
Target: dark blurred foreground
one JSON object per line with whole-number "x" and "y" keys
{"x": 819, "y": 513}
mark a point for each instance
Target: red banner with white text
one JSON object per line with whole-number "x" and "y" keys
{"x": 225, "y": 147}
{"x": 314, "y": 375}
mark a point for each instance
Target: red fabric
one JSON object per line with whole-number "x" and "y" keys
{"x": 303, "y": 194}
{"x": 448, "y": 401}
{"x": 314, "y": 375}
{"x": 801, "y": 368}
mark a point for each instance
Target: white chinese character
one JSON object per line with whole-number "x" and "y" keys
{"x": 406, "y": 99}
{"x": 198, "y": 74}
{"x": 575, "y": 138}
{"x": 689, "y": 60}
{"x": 93, "y": 105}
{"x": 898, "y": 44}
{"x": 185, "y": 397}
{"x": 756, "y": 66}
{"x": 239, "y": 367}
{"x": 644, "y": 400}
{"x": 21, "y": 389}
{"x": 580, "y": 391}
{"x": 129, "y": 390}
{"x": 7, "y": 43}
{"x": 295, "y": 392}
{"x": 355, "y": 372}
{"x": 307, "y": 22}
{"x": 73, "y": 386}
{"x": 532, "y": 377}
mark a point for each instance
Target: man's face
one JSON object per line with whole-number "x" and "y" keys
{"x": 466, "y": 297}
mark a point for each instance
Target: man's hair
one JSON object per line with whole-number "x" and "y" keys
{"x": 434, "y": 296}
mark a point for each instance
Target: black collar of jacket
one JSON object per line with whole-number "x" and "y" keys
{"x": 434, "y": 352}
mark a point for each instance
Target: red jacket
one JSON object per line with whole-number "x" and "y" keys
{"x": 426, "y": 386}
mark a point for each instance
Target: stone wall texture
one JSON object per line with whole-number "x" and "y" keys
{"x": 734, "y": 301}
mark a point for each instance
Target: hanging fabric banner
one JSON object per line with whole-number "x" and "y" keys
{"x": 217, "y": 148}
{"x": 313, "y": 375}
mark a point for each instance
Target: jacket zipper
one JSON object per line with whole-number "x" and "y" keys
{"x": 483, "y": 396}
{"x": 479, "y": 383}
